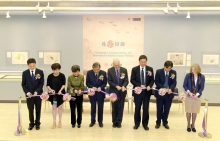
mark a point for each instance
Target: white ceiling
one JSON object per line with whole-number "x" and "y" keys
{"x": 109, "y": 6}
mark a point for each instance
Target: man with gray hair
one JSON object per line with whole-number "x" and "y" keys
{"x": 118, "y": 81}
{"x": 97, "y": 80}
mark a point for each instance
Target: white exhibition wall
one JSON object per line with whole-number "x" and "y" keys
{"x": 64, "y": 33}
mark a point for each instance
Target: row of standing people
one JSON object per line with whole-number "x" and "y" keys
{"x": 141, "y": 76}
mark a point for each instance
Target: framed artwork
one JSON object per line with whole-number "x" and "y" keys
{"x": 51, "y": 57}
{"x": 19, "y": 57}
{"x": 210, "y": 59}
{"x": 178, "y": 59}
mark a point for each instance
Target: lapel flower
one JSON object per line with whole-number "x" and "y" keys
{"x": 37, "y": 76}
{"x": 172, "y": 76}
{"x": 101, "y": 77}
{"x": 149, "y": 73}
{"x": 122, "y": 75}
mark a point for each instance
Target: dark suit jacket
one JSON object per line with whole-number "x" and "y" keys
{"x": 160, "y": 80}
{"x": 187, "y": 85}
{"x": 112, "y": 81}
{"x": 136, "y": 78}
{"x": 29, "y": 86}
{"x": 92, "y": 81}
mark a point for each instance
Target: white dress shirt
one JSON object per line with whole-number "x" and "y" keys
{"x": 166, "y": 73}
{"x": 33, "y": 72}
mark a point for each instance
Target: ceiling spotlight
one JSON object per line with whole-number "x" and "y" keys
{"x": 38, "y": 7}
{"x": 175, "y": 10}
{"x": 166, "y": 9}
{"x": 188, "y": 15}
{"x": 7, "y": 15}
{"x": 50, "y": 8}
{"x": 44, "y": 15}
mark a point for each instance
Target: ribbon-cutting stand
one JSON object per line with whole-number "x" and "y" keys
{"x": 20, "y": 130}
{"x": 205, "y": 134}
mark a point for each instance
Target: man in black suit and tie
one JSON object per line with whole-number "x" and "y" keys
{"x": 142, "y": 76}
{"x": 164, "y": 78}
{"x": 97, "y": 80}
{"x": 118, "y": 81}
{"x": 32, "y": 84}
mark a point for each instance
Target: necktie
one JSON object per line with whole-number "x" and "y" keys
{"x": 118, "y": 76}
{"x": 142, "y": 77}
{"x": 32, "y": 75}
{"x": 166, "y": 81}
{"x": 96, "y": 76}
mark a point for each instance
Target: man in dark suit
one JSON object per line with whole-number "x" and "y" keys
{"x": 97, "y": 80}
{"x": 32, "y": 84}
{"x": 164, "y": 78}
{"x": 142, "y": 76}
{"x": 118, "y": 81}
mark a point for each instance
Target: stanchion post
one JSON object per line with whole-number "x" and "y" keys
{"x": 205, "y": 134}
{"x": 20, "y": 130}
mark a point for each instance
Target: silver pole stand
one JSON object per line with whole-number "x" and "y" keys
{"x": 20, "y": 130}
{"x": 205, "y": 134}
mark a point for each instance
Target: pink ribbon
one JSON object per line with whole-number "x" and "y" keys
{"x": 72, "y": 98}
{"x": 113, "y": 97}
{"x": 181, "y": 96}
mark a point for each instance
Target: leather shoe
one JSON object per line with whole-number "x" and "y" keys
{"x": 135, "y": 127}
{"x": 119, "y": 125}
{"x": 91, "y": 124}
{"x": 73, "y": 126}
{"x": 189, "y": 129}
{"x": 101, "y": 125}
{"x": 79, "y": 126}
{"x": 193, "y": 129}
{"x": 157, "y": 126}
{"x": 114, "y": 125}
{"x": 166, "y": 126}
{"x": 30, "y": 127}
{"x": 146, "y": 127}
{"x": 37, "y": 127}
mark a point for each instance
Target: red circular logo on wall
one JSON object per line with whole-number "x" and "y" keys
{"x": 110, "y": 44}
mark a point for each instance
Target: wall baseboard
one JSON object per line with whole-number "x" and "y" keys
{"x": 24, "y": 101}
{"x": 12, "y": 101}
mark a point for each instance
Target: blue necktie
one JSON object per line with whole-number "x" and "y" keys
{"x": 118, "y": 76}
{"x": 166, "y": 81}
{"x": 32, "y": 75}
{"x": 142, "y": 77}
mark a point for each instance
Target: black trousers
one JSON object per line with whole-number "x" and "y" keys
{"x": 140, "y": 99}
{"x": 163, "y": 108}
{"x": 117, "y": 110}
{"x": 31, "y": 102}
{"x": 100, "y": 102}
{"x": 73, "y": 105}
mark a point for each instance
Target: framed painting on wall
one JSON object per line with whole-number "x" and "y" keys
{"x": 51, "y": 57}
{"x": 210, "y": 59}
{"x": 19, "y": 57}
{"x": 178, "y": 59}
